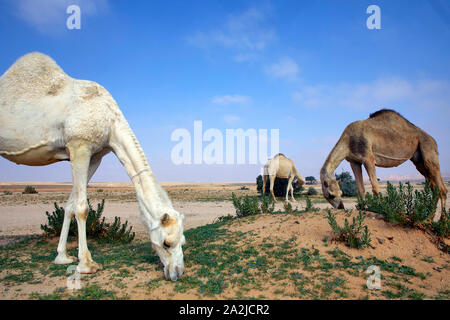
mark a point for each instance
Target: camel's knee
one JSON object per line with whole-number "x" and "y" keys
{"x": 81, "y": 210}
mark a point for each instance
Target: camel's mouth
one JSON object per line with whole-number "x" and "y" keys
{"x": 336, "y": 203}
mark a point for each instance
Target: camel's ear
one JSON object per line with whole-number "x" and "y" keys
{"x": 165, "y": 219}
{"x": 338, "y": 181}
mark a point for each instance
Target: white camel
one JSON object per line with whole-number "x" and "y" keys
{"x": 282, "y": 167}
{"x": 46, "y": 116}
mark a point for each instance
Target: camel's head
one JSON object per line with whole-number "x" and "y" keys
{"x": 299, "y": 182}
{"x": 332, "y": 192}
{"x": 167, "y": 240}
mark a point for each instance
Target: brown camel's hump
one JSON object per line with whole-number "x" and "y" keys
{"x": 389, "y": 113}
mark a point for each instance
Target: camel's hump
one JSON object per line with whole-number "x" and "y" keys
{"x": 35, "y": 73}
{"x": 389, "y": 113}
{"x": 34, "y": 63}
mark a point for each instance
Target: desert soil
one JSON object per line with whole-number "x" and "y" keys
{"x": 22, "y": 214}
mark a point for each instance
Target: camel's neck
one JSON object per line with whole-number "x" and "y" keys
{"x": 128, "y": 150}
{"x": 298, "y": 175}
{"x": 336, "y": 156}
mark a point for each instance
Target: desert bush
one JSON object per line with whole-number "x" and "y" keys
{"x": 7, "y": 193}
{"x": 442, "y": 227}
{"x": 248, "y": 206}
{"x": 312, "y": 191}
{"x": 259, "y": 183}
{"x": 403, "y": 205}
{"x": 267, "y": 205}
{"x": 29, "y": 190}
{"x": 347, "y": 184}
{"x": 355, "y": 235}
{"x": 309, "y": 205}
{"x": 245, "y": 206}
{"x": 96, "y": 227}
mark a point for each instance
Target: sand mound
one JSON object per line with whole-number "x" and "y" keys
{"x": 272, "y": 256}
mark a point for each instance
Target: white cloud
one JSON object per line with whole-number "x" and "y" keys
{"x": 386, "y": 93}
{"x": 50, "y": 15}
{"x": 231, "y": 119}
{"x": 285, "y": 68}
{"x": 230, "y": 99}
{"x": 246, "y": 31}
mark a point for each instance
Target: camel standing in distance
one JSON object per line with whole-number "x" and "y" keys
{"x": 386, "y": 139}
{"x": 47, "y": 116}
{"x": 282, "y": 167}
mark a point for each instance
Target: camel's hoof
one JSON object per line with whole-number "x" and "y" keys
{"x": 65, "y": 259}
{"x": 89, "y": 267}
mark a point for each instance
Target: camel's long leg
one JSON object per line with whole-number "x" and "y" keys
{"x": 357, "y": 171}
{"x": 264, "y": 185}
{"x": 428, "y": 166}
{"x": 371, "y": 171}
{"x": 272, "y": 183}
{"x": 80, "y": 156}
{"x": 292, "y": 193}
{"x": 289, "y": 187}
{"x": 62, "y": 257}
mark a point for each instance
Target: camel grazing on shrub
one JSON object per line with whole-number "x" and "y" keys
{"x": 282, "y": 167}
{"x": 46, "y": 116}
{"x": 386, "y": 139}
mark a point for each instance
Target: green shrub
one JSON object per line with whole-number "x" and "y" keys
{"x": 96, "y": 227}
{"x": 55, "y": 222}
{"x": 355, "y": 235}
{"x": 248, "y": 206}
{"x": 442, "y": 227}
{"x": 259, "y": 183}
{"x": 245, "y": 206}
{"x": 267, "y": 204}
{"x": 347, "y": 184}
{"x": 312, "y": 191}
{"x": 29, "y": 190}
{"x": 7, "y": 193}
{"x": 309, "y": 205}
{"x": 403, "y": 205}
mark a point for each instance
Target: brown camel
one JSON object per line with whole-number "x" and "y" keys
{"x": 385, "y": 140}
{"x": 282, "y": 167}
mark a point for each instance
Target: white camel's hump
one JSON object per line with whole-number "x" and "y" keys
{"x": 33, "y": 75}
{"x": 40, "y": 105}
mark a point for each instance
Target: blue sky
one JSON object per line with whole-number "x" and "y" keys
{"x": 307, "y": 68}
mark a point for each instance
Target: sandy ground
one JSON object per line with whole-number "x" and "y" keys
{"x": 201, "y": 203}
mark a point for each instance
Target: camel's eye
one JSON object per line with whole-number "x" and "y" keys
{"x": 166, "y": 245}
